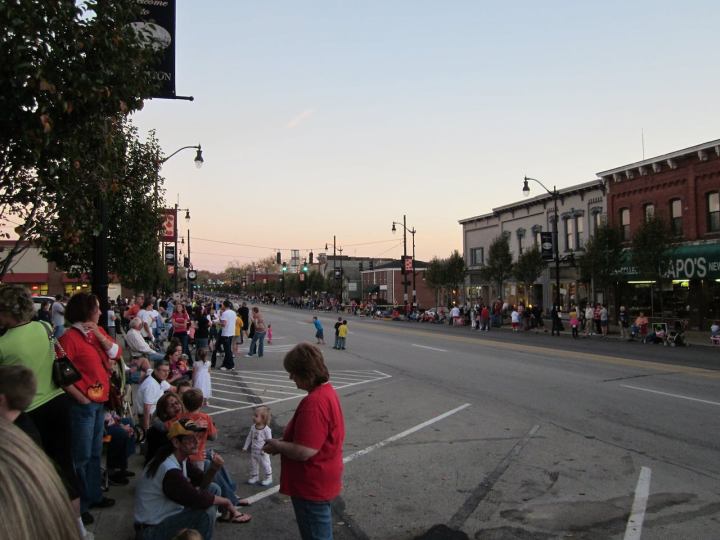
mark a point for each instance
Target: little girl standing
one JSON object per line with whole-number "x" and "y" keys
{"x": 201, "y": 375}
{"x": 574, "y": 323}
{"x": 259, "y": 433}
{"x": 269, "y": 334}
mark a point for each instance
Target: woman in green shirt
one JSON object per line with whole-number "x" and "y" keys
{"x": 26, "y": 342}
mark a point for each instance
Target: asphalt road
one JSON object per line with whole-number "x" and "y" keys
{"x": 460, "y": 434}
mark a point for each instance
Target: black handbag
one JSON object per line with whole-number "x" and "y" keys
{"x": 64, "y": 373}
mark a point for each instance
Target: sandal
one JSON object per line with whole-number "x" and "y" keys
{"x": 239, "y": 518}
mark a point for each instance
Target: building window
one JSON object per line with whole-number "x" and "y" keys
{"x": 676, "y": 217}
{"x": 580, "y": 229}
{"x": 649, "y": 211}
{"x": 569, "y": 234}
{"x": 713, "y": 211}
{"x": 625, "y": 223}
{"x": 520, "y": 233}
{"x": 536, "y": 230}
{"x": 477, "y": 256}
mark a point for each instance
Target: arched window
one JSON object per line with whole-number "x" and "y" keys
{"x": 713, "y": 211}
{"x": 676, "y": 224}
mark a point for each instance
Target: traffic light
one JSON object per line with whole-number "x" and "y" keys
{"x": 305, "y": 267}
{"x": 278, "y": 257}
{"x": 310, "y": 257}
{"x": 186, "y": 262}
{"x": 284, "y": 267}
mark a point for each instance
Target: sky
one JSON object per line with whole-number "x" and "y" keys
{"x": 336, "y": 118}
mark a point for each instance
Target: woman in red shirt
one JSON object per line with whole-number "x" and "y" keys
{"x": 311, "y": 447}
{"x": 93, "y": 354}
{"x": 181, "y": 322}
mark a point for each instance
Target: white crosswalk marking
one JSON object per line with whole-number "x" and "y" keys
{"x": 237, "y": 390}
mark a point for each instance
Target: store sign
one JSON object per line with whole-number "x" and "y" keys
{"x": 700, "y": 261}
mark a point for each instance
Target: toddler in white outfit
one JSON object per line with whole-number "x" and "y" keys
{"x": 259, "y": 433}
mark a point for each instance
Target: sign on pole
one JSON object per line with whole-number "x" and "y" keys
{"x": 546, "y": 246}
{"x": 408, "y": 264}
{"x": 157, "y": 29}
{"x": 168, "y": 234}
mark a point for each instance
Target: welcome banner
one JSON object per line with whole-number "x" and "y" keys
{"x": 157, "y": 28}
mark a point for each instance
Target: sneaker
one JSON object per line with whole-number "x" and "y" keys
{"x": 252, "y": 481}
{"x": 87, "y": 518}
{"x": 267, "y": 481}
{"x": 223, "y": 368}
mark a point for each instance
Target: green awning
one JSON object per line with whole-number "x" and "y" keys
{"x": 692, "y": 261}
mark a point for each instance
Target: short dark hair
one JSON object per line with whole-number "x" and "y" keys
{"x": 18, "y": 385}
{"x": 160, "y": 407}
{"x": 227, "y": 303}
{"x": 192, "y": 399}
{"x": 80, "y": 307}
{"x": 305, "y": 362}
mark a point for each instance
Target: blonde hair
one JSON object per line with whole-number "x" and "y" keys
{"x": 15, "y": 301}
{"x": 265, "y": 413}
{"x": 34, "y": 501}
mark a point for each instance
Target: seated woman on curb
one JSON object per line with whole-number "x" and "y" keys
{"x": 172, "y": 496}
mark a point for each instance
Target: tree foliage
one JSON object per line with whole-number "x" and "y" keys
{"x": 651, "y": 248}
{"x": 69, "y": 72}
{"x": 603, "y": 252}
{"x": 498, "y": 264}
{"x": 529, "y": 266}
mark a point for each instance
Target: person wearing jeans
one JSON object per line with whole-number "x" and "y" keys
{"x": 259, "y": 335}
{"x": 227, "y": 321}
{"x": 311, "y": 446}
{"x": 92, "y": 352}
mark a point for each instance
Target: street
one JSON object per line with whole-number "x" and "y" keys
{"x": 459, "y": 434}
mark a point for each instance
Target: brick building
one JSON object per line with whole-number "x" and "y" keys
{"x": 385, "y": 285}
{"x": 683, "y": 188}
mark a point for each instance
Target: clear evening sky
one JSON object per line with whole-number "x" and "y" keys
{"x": 322, "y": 118}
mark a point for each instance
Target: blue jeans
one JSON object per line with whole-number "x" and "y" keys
{"x": 87, "y": 430}
{"x": 226, "y": 343}
{"x": 258, "y": 337}
{"x": 203, "y": 521}
{"x": 314, "y": 519}
{"x": 58, "y": 331}
{"x": 226, "y": 484}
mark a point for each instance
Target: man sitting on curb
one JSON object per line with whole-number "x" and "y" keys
{"x": 172, "y": 496}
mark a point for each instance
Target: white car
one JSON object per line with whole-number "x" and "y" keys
{"x": 38, "y": 300}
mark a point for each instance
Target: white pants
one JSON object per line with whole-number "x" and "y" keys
{"x": 258, "y": 458}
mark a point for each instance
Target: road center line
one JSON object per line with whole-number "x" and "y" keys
{"x": 347, "y": 459}
{"x": 637, "y": 514}
{"x": 426, "y": 347}
{"x": 671, "y": 395}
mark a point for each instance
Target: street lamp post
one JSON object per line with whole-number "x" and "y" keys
{"x": 187, "y": 219}
{"x": 405, "y": 281}
{"x": 556, "y": 243}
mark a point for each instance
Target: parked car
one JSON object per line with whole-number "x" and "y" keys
{"x": 38, "y": 300}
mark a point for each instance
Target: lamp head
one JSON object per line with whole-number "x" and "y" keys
{"x": 326, "y": 246}
{"x": 393, "y": 227}
{"x": 187, "y": 215}
{"x": 198, "y": 157}
{"x": 526, "y": 188}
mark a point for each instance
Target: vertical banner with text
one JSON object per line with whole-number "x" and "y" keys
{"x": 157, "y": 28}
{"x": 546, "y": 246}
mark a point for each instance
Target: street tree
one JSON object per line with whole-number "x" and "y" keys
{"x": 528, "y": 268}
{"x": 455, "y": 270}
{"x": 498, "y": 264}
{"x": 651, "y": 251}
{"x": 435, "y": 277}
{"x": 67, "y": 71}
{"x": 599, "y": 263}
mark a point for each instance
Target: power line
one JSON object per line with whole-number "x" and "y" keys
{"x": 274, "y": 248}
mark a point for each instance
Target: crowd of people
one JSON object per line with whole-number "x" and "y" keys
{"x": 170, "y": 345}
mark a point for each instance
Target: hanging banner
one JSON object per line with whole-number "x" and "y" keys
{"x": 546, "y": 246}
{"x": 408, "y": 264}
{"x": 169, "y": 221}
{"x": 170, "y": 255}
{"x": 157, "y": 29}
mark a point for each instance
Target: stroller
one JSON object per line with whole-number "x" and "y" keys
{"x": 676, "y": 337}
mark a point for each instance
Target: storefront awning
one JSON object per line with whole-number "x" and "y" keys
{"x": 694, "y": 261}
{"x": 25, "y": 277}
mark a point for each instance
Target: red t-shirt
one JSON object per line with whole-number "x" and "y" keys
{"x": 318, "y": 423}
{"x": 180, "y": 322}
{"x": 203, "y": 436}
{"x": 89, "y": 358}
